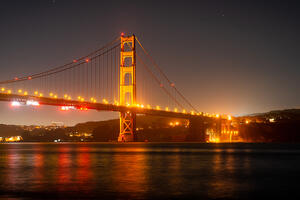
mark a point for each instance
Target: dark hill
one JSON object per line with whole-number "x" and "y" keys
{"x": 10, "y": 130}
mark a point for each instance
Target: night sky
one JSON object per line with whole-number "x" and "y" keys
{"x": 234, "y": 57}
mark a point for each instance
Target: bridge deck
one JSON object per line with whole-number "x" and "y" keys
{"x": 95, "y": 106}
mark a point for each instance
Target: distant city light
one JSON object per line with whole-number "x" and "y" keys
{"x": 12, "y": 139}
{"x": 32, "y": 103}
{"x": 15, "y": 104}
{"x": 66, "y": 108}
{"x": 82, "y": 108}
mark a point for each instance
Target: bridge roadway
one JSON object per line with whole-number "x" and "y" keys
{"x": 98, "y": 106}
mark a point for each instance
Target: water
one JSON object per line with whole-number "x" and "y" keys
{"x": 148, "y": 171}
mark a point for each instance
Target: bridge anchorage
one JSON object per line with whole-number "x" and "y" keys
{"x": 108, "y": 79}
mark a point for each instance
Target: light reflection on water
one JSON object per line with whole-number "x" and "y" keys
{"x": 147, "y": 171}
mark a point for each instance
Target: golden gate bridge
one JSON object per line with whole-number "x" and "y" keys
{"x": 121, "y": 76}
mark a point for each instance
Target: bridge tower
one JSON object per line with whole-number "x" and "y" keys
{"x": 127, "y": 88}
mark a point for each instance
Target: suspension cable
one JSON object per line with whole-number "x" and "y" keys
{"x": 61, "y": 66}
{"x": 158, "y": 81}
{"x": 164, "y": 75}
{"x": 60, "y": 69}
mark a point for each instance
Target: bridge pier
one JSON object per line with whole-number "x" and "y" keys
{"x": 127, "y": 127}
{"x": 197, "y": 129}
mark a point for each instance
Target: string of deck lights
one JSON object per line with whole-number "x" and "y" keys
{"x": 104, "y": 101}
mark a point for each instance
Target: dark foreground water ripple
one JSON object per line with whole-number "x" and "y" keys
{"x": 149, "y": 171}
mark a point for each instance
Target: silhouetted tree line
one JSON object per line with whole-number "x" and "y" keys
{"x": 109, "y": 132}
{"x": 284, "y": 131}
{"x": 42, "y": 135}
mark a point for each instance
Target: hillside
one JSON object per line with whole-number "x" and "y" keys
{"x": 273, "y": 126}
{"x": 288, "y": 114}
{"x": 10, "y": 130}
